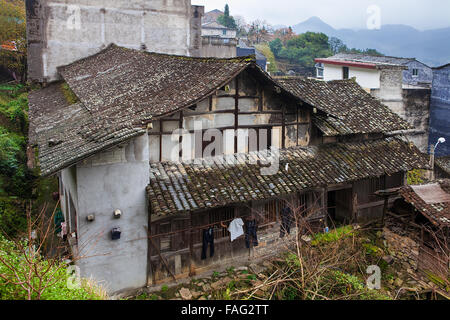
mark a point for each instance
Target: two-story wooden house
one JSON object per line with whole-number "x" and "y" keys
{"x": 151, "y": 150}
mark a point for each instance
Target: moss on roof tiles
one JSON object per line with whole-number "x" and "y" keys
{"x": 309, "y": 167}
{"x": 350, "y": 109}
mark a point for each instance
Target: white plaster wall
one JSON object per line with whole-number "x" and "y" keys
{"x": 366, "y": 78}
{"x": 79, "y": 28}
{"x": 219, "y": 33}
{"x": 114, "y": 180}
{"x": 69, "y": 183}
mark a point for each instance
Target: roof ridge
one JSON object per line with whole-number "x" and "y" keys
{"x": 248, "y": 59}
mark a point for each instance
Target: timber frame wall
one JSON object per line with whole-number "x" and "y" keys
{"x": 245, "y": 103}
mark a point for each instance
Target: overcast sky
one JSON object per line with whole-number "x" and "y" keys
{"x": 420, "y": 14}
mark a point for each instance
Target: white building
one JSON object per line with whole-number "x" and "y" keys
{"x": 403, "y": 84}
{"x": 214, "y": 29}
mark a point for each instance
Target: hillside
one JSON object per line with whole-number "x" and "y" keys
{"x": 431, "y": 46}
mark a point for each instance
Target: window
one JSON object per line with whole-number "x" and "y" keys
{"x": 224, "y": 32}
{"x": 415, "y": 72}
{"x": 345, "y": 73}
{"x": 319, "y": 73}
{"x": 319, "y": 68}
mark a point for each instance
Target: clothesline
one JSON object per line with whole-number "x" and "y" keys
{"x": 194, "y": 228}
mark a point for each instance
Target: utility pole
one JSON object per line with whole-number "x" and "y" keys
{"x": 432, "y": 152}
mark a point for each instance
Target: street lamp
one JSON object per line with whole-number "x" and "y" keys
{"x": 432, "y": 151}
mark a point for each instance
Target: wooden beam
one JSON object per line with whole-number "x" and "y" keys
{"x": 236, "y": 114}
{"x": 191, "y": 249}
{"x": 150, "y": 268}
{"x": 283, "y": 128}
{"x": 180, "y": 139}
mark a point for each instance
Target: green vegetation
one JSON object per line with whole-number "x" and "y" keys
{"x": 332, "y": 236}
{"x": 34, "y": 278}
{"x": 16, "y": 180}
{"x": 303, "y": 49}
{"x": 227, "y": 20}
{"x": 13, "y": 34}
{"x": 69, "y": 94}
{"x": 416, "y": 177}
{"x": 337, "y": 46}
{"x": 267, "y": 52}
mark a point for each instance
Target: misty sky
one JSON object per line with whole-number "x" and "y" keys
{"x": 420, "y": 14}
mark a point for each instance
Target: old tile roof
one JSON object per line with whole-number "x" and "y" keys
{"x": 444, "y": 163}
{"x": 136, "y": 85}
{"x": 379, "y": 60}
{"x": 438, "y": 213}
{"x": 117, "y": 92}
{"x": 352, "y": 110}
{"x": 216, "y": 182}
{"x": 62, "y": 130}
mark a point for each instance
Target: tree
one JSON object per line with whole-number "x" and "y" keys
{"x": 285, "y": 34}
{"x": 259, "y": 29}
{"x": 276, "y": 46}
{"x": 241, "y": 25}
{"x": 13, "y": 38}
{"x": 227, "y": 20}
{"x": 337, "y": 45}
{"x": 305, "y": 48}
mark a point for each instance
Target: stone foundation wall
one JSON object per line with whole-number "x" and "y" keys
{"x": 404, "y": 250}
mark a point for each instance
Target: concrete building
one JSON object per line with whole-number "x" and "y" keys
{"x": 138, "y": 196}
{"x": 415, "y": 73}
{"x": 440, "y": 109}
{"x": 401, "y": 84}
{"x": 218, "y": 41}
{"x": 215, "y": 29}
{"x": 212, "y": 16}
{"x": 60, "y": 31}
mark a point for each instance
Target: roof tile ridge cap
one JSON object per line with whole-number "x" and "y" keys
{"x": 250, "y": 58}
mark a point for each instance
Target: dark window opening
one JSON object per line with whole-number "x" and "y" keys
{"x": 345, "y": 73}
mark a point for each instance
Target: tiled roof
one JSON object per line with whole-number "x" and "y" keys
{"x": 62, "y": 130}
{"x": 352, "y": 109}
{"x": 444, "y": 163}
{"x": 117, "y": 92}
{"x": 438, "y": 213}
{"x": 216, "y": 182}
{"x": 381, "y": 60}
{"x": 135, "y": 85}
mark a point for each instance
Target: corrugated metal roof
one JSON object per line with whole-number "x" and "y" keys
{"x": 437, "y": 213}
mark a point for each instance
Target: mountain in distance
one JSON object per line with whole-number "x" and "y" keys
{"x": 431, "y": 47}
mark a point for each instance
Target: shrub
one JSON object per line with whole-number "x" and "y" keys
{"x": 15, "y": 267}
{"x": 332, "y": 236}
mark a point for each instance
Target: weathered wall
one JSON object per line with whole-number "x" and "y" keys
{"x": 425, "y": 75}
{"x": 218, "y": 47}
{"x": 417, "y": 113}
{"x": 69, "y": 197}
{"x": 61, "y": 31}
{"x": 412, "y": 105}
{"x": 259, "y": 107}
{"x": 114, "y": 179}
{"x": 440, "y": 110}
